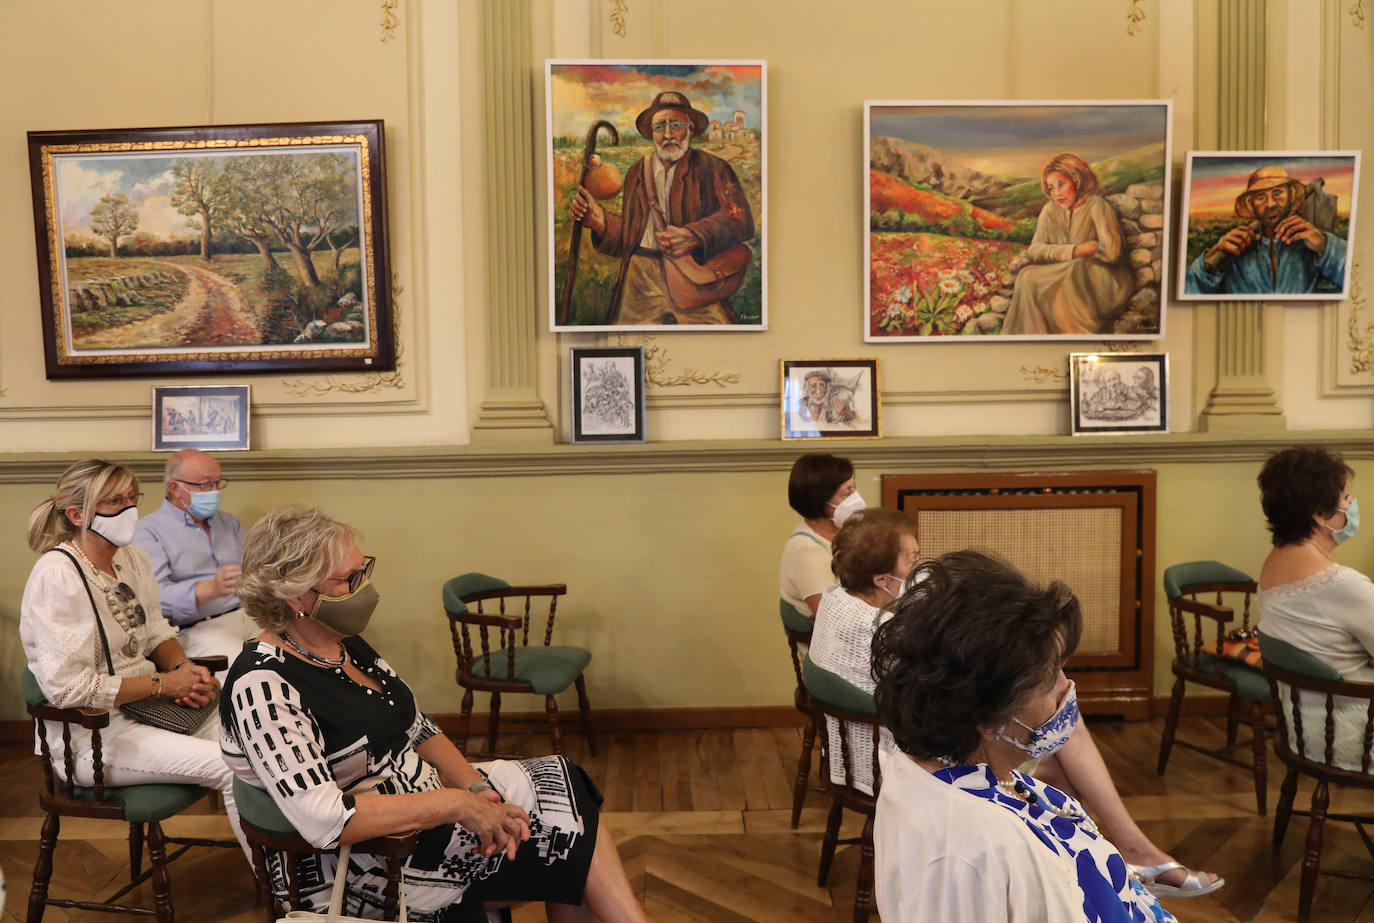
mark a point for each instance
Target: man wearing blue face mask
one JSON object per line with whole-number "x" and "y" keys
{"x": 196, "y": 550}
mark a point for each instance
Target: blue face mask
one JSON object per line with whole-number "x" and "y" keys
{"x": 1352, "y": 523}
{"x": 1051, "y": 736}
{"x": 204, "y": 504}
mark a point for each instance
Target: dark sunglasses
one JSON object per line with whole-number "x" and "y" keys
{"x": 129, "y": 602}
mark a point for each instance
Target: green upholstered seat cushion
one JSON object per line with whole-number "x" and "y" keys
{"x": 836, "y": 691}
{"x": 548, "y": 670}
{"x": 259, "y": 811}
{"x": 152, "y": 801}
{"x": 466, "y": 585}
{"x": 793, "y": 620}
{"x": 1250, "y": 683}
{"x": 33, "y": 695}
{"x": 1285, "y": 656}
{"x": 1179, "y": 577}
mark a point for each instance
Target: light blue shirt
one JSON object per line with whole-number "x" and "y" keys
{"x": 183, "y": 555}
{"x": 1270, "y": 267}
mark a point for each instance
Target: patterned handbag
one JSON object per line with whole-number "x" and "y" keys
{"x": 336, "y": 898}
{"x": 156, "y": 711}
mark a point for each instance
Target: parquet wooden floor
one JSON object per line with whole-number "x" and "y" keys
{"x": 702, "y": 822}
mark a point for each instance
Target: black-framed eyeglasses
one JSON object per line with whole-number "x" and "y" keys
{"x": 128, "y": 601}
{"x": 204, "y": 485}
{"x": 356, "y": 578}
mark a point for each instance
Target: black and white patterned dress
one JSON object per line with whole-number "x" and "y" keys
{"x": 313, "y": 738}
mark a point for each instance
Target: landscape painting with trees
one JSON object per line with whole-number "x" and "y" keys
{"x": 235, "y": 249}
{"x": 1020, "y": 220}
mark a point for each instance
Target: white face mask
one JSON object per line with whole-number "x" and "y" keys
{"x": 117, "y": 529}
{"x": 847, "y": 507}
{"x": 902, "y": 584}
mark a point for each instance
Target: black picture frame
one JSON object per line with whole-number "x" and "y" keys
{"x": 1118, "y": 394}
{"x": 155, "y": 309}
{"x": 848, "y": 405}
{"x": 608, "y": 399}
{"x": 213, "y": 417}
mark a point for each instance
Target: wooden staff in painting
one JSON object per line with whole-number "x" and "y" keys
{"x": 609, "y": 177}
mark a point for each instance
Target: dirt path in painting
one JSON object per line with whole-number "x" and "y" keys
{"x": 213, "y": 312}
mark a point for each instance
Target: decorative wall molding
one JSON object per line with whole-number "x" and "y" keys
{"x": 389, "y": 19}
{"x": 657, "y": 360}
{"x": 1357, "y": 13}
{"x": 619, "y": 9}
{"x": 984, "y": 453}
{"x": 1134, "y": 17}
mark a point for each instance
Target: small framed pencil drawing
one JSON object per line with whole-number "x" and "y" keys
{"x": 830, "y": 398}
{"x": 607, "y": 393}
{"x": 1113, "y": 394}
{"x": 200, "y": 417}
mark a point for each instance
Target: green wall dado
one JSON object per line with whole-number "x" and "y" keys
{"x": 670, "y": 552}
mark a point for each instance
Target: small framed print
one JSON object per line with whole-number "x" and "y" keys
{"x": 1113, "y": 394}
{"x": 830, "y": 398}
{"x": 200, "y": 417}
{"x": 607, "y": 394}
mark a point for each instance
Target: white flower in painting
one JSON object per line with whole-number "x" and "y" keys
{"x": 950, "y": 286}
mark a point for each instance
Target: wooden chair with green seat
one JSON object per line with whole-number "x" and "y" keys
{"x": 838, "y": 702}
{"x": 1245, "y": 686}
{"x": 797, "y": 628}
{"x": 266, "y": 827}
{"x": 1306, "y": 690}
{"x": 515, "y": 665}
{"x": 139, "y": 806}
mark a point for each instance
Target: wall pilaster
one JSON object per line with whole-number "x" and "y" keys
{"x": 511, "y": 411}
{"x": 1243, "y": 397}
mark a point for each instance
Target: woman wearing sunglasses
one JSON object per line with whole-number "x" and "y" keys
{"x": 111, "y": 645}
{"x": 313, "y": 716}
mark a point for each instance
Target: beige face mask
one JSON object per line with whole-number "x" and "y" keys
{"x": 349, "y": 614}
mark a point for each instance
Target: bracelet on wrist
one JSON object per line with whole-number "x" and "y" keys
{"x": 157, "y": 684}
{"x": 179, "y": 663}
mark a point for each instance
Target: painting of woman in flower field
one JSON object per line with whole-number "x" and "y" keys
{"x": 1016, "y": 220}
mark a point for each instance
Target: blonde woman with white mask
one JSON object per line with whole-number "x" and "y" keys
{"x": 111, "y": 646}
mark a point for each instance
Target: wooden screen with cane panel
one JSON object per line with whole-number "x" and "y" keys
{"x": 1094, "y": 530}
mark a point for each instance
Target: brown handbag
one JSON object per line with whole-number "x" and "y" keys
{"x": 692, "y": 284}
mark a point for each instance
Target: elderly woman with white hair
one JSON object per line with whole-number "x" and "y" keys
{"x": 315, "y": 717}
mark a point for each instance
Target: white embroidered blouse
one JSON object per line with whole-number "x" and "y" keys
{"x": 58, "y": 629}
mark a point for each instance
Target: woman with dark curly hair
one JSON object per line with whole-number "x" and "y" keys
{"x": 970, "y": 683}
{"x": 1305, "y": 597}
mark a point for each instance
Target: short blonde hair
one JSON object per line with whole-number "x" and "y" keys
{"x": 1085, "y": 181}
{"x": 84, "y": 484}
{"x": 287, "y": 552}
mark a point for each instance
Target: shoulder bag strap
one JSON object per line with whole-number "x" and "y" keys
{"x": 104, "y": 641}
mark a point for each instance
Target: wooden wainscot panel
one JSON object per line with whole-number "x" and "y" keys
{"x": 1095, "y": 530}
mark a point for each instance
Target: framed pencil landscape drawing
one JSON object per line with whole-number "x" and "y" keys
{"x": 1016, "y": 220}
{"x": 241, "y": 248}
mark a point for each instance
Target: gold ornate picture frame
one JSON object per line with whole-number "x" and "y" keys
{"x": 212, "y": 249}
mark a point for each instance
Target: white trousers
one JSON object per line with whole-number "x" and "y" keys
{"x": 134, "y": 754}
{"x": 221, "y": 636}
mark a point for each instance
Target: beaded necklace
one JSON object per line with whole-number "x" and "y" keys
{"x": 120, "y": 598}
{"x": 1018, "y": 789}
{"x": 315, "y": 658}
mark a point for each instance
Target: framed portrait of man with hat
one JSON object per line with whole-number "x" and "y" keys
{"x": 1268, "y": 225}
{"x": 657, "y": 195}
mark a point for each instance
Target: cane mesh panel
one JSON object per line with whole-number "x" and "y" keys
{"x": 1080, "y": 546}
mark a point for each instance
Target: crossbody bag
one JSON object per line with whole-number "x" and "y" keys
{"x": 156, "y": 711}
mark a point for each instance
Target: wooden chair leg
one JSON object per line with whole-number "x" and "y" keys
{"x": 269, "y": 903}
{"x": 1261, "y": 768}
{"x": 1233, "y": 707}
{"x": 585, "y": 706}
{"x": 465, "y": 722}
{"x": 863, "y": 895}
{"x": 162, "y": 882}
{"x": 135, "y": 852}
{"x": 1284, "y": 812}
{"x": 1312, "y": 855}
{"x": 832, "y": 836}
{"x": 493, "y": 720}
{"x": 391, "y": 893}
{"x": 803, "y": 770}
{"x": 1166, "y": 742}
{"x": 42, "y": 869}
{"x": 555, "y": 731}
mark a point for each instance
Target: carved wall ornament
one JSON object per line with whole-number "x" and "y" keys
{"x": 1361, "y": 342}
{"x": 368, "y": 381}
{"x": 1040, "y": 374}
{"x": 1357, "y": 13}
{"x": 1135, "y": 16}
{"x": 618, "y": 10}
{"x": 389, "y": 19}
{"x": 656, "y": 362}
